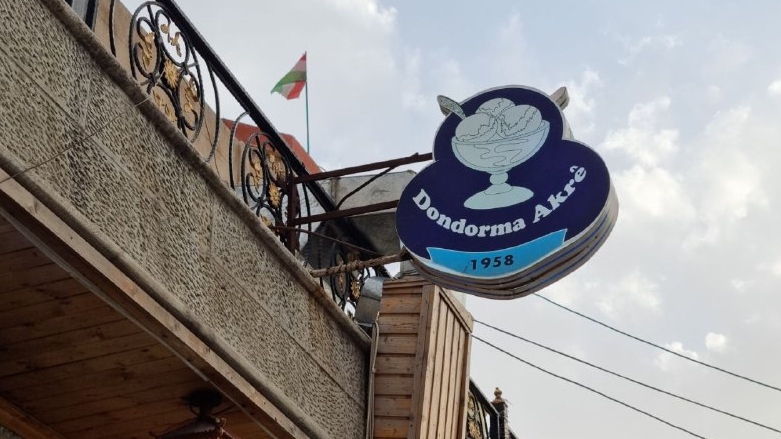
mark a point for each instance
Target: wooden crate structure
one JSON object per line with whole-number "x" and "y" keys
{"x": 422, "y": 365}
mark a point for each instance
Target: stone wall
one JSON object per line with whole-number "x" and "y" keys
{"x": 116, "y": 171}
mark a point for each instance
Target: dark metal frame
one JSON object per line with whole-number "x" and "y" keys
{"x": 484, "y": 416}
{"x": 481, "y": 415}
{"x": 388, "y": 165}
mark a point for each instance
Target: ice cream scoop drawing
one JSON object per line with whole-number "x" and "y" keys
{"x": 498, "y": 137}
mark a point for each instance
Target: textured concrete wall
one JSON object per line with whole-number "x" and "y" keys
{"x": 131, "y": 184}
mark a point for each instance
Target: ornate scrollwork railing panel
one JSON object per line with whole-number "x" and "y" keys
{"x": 477, "y": 415}
{"x": 346, "y": 287}
{"x": 484, "y": 419}
{"x": 263, "y": 179}
{"x": 163, "y": 60}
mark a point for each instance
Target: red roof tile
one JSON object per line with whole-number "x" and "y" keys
{"x": 244, "y": 131}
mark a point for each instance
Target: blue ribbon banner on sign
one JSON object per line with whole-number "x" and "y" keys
{"x": 499, "y": 262}
{"x": 507, "y": 192}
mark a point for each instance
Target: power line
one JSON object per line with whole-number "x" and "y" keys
{"x": 76, "y": 142}
{"x": 701, "y": 363}
{"x": 589, "y": 389}
{"x": 648, "y": 386}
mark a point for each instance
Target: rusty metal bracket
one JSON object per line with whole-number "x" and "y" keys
{"x": 343, "y": 213}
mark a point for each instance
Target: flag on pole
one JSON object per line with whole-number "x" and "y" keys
{"x": 293, "y": 82}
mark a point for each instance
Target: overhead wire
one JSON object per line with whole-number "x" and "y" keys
{"x": 670, "y": 351}
{"x": 648, "y": 386}
{"x": 590, "y": 389}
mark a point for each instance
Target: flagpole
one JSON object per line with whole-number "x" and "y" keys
{"x": 290, "y": 88}
{"x": 306, "y": 98}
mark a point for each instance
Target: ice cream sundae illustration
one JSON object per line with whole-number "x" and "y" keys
{"x": 499, "y": 136}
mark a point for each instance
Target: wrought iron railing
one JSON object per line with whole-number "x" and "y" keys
{"x": 484, "y": 419}
{"x": 478, "y": 414}
{"x": 190, "y": 84}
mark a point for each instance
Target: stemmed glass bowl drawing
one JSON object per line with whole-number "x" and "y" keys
{"x": 496, "y": 157}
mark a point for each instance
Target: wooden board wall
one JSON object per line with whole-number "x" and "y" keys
{"x": 422, "y": 366}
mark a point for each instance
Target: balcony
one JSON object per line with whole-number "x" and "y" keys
{"x": 131, "y": 272}
{"x": 154, "y": 249}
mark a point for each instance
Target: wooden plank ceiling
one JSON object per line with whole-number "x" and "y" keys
{"x": 77, "y": 366}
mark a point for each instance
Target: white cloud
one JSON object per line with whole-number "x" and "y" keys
{"x": 716, "y": 342}
{"x": 729, "y": 182}
{"x": 728, "y": 126}
{"x": 580, "y": 111}
{"x": 412, "y": 98}
{"x": 654, "y": 193}
{"x": 507, "y": 53}
{"x": 634, "y": 291}
{"x": 726, "y": 54}
{"x": 453, "y": 81}
{"x": 668, "y": 362}
{"x": 714, "y": 93}
{"x": 740, "y": 285}
{"x": 775, "y": 268}
{"x": 642, "y": 291}
{"x": 512, "y": 28}
{"x": 642, "y": 140}
{"x": 660, "y": 42}
{"x": 774, "y": 88}
{"x": 572, "y": 291}
{"x": 368, "y": 13}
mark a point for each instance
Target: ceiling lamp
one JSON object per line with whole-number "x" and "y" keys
{"x": 205, "y": 425}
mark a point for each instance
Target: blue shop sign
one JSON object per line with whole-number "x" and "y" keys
{"x": 505, "y": 191}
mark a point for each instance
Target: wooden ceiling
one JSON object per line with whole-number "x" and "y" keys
{"x": 77, "y": 368}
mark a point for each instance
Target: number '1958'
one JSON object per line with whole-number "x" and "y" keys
{"x": 496, "y": 261}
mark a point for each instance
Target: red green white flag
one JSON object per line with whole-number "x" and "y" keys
{"x": 293, "y": 82}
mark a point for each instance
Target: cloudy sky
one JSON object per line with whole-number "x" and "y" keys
{"x": 682, "y": 100}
